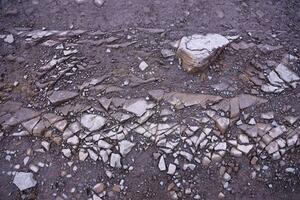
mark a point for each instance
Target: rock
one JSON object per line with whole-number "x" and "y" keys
{"x": 58, "y": 97}
{"x": 156, "y": 94}
{"x": 61, "y": 125}
{"x": 287, "y": 75}
{"x": 24, "y": 180}
{"x": 66, "y": 152}
{"x": 247, "y": 100}
{"x": 162, "y": 164}
{"x": 243, "y": 139}
{"x": 46, "y": 145}
{"x": 166, "y": 53}
{"x": 245, "y": 148}
{"x": 180, "y": 100}
{"x": 196, "y": 52}
{"x": 82, "y": 155}
{"x": 104, "y": 155}
{"x": 99, "y": 3}
{"x": 268, "y": 115}
{"x": 125, "y": 147}
{"x": 221, "y": 146}
{"x": 104, "y": 145}
{"x": 92, "y": 122}
{"x": 275, "y": 80}
{"x": 99, "y": 187}
{"x": 74, "y": 140}
{"x": 143, "y": 65}
{"x": 34, "y": 168}
{"x": 171, "y": 169}
{"x": 21, "y": 115}
{"x": 272, "y": 147}
{"x": 116, "y": 188}
{"x": 92, "y": 155}
{"x": 9, "y": 39}
{"x": 138, "y": 107}
{"x": 105, "y": 102}
{"x": 222, "y": 123}
{"x": 115, "y": 160}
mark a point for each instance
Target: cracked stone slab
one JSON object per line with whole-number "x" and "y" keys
{"x": 92, "y": 122}
{"x": 197, "y": 52}
{"x": 58, "y": 97}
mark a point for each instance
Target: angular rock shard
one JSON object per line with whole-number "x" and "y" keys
{"x": 24, "y": 180}
{"x": 199, "y": 51}
{"x": 58, "y": 97}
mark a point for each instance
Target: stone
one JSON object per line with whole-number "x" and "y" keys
{"x": 162, "y": 164}
{"x": 99, "y": 188}
{"x": 34, "y": 168}
{"x": 9, "y": 39}
{"x": 138, "y": 107}
{"x": 104, "y": 155}
{"x": 125, "y": 147}
{"x": 247, "y": 100}
{"x": 222, "y": 123}
{"x": 116, "y": 188}
{"x": 61, "y": 125}
{"x": 46, "y": 145}
{"x": 92, "y": 155}
{"x": 104, "y": 145}
{"x": 243, "y": 139}
{"x": 268, "y": 115}
{"x": 74, "y": 140}
{"x": 105, "y": 102}
{"x": 99, "y": 3}
{"x": 58, "y": 97}
{"x": 82, "y": 155}
{"x": 171, "y": 169}
{"x": 287, "y": 75}
{"x": 21, "y": 115}
{"x": 115, "y": 160}
{"x": 92, "y": 122}
{"x": 272, "y": 147}
{"x": 197, "y": 52}
{"x": 221, "y": 146}
{"x": 274, "y": 79}
{"x": 166, "y": 53}
{"x": 245, "y": 148}
{"x": 66, "y": 152}
{"x": 24, "y": 180}
{"x": 156, "y": 94}
{"x": 143, "y": 66}
{"x": 291, "y": 119}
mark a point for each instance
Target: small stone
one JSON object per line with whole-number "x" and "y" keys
{"x": 143, "y": 65}
{"x": 245, "y": 148}
{"x": 104, "y": 145}
{"x": 254, "y": 160}
{"x": 73, "y": 140}
{"x": 92, "y": 122}
{"x": 99, "y": 3}
{"x": 92, "y": 155}
{"x": 82, "y": 155}
{"x": 33, "y": 168}
{"x": 222, "y": 124}
{"x": 66, "y": 152}
{"x": 99, "y": 188}
{"x": 125, "y": 147}
{"x": 221, "y": 195}
{"x": 24, "y": 180}
{"x": 46, "y": 145}
{"x": 162, "y": 164}
{"x": 243, "y": 139}
{"x": 115, "y": 160}
{"x": 58, "y": 97}
{"x": 117, "y": 188}
{"x": 171, "y": 169}
{"x": 9, "y": 39}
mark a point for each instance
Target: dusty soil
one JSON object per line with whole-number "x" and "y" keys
{"x": 151, "y": 26}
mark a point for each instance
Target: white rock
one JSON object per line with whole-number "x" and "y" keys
{"x": 162, "y": 164}
{"x": 125, "y": 147}
{"x": 92, "y": 122}
{"x": 243, "y": 139}
{"x": 34, "y": 168}
{"x": 92, "y": 155}
{"x": 198, "y": 51}
{"x": 73, "y": 140}
{"x": 137, "y": 107}
{"x": 222, "y": 123}
{"x": 9, "y": 39}
{"x": 286, "y": 74}
{"x": 221, "y": 146}
{"x": 66, "y": 152}
{"x": 24, "y": 180}
{"x": 115, "y": 160}
{"x": 82, "y": 155}
{"x": 99, "y": 3}
{"x": 104, "y": 145}
{"x": 104, "y": 155}
{"x": 272, "y": 147}
{"x": 171, "y": 169}
{"x": 245, "y": 148}
{"x": 143, "y": 65}
{"x": 46, "y": 145}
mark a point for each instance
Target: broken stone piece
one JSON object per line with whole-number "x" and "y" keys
{"x": 125, "y": 147}
{"x": 197, "y": 52}
{"x": 115, "y": 160}
{"x": 58, "y": 97}
{"x": 92, "y": 122}
{"x": 24, "y": 180}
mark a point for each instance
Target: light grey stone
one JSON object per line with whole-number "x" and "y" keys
{"x": 24, "y": 180}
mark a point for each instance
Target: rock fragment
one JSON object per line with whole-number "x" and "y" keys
{"x": 115, "y": 160}
{"x": 171, "y": 169}
{"x": 162, "y": 164}
{"x": 143, "y": 66}
{"x": 24, "y": 180}
{"x": 92, "y": 122}
{"x": 125, "y": 147}
{"x": 196, "y": 52}
{"x": 58, "y": 97}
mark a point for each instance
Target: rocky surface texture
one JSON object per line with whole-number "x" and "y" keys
{"x": 96, "y": 101}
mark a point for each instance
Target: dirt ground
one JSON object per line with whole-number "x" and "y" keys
{"x": 108, "y": 42}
